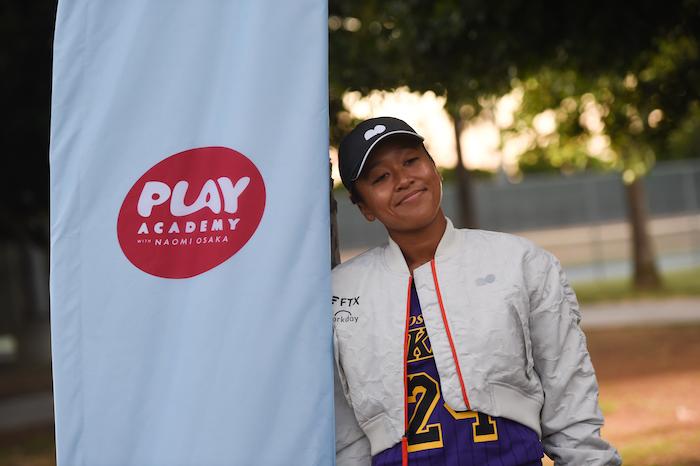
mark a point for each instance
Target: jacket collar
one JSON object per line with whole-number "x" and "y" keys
{"x": 446, "y": 247}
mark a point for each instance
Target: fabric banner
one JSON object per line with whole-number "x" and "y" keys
{"x": 190, "y": 265}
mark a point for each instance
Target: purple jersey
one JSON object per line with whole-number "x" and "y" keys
{"x": 438, "y": 435}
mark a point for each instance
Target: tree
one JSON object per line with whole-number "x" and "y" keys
{"x": 468, "y": 49}
{"x": 634, "y": 113}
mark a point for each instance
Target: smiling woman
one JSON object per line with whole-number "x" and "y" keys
{"x": 464, "y": 347}
{"x": 401, "y": 187}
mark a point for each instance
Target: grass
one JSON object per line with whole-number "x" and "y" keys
{"x": 656, "y": 450}
{"x": 607, "y": 406}
{"x": 679, "y": 283}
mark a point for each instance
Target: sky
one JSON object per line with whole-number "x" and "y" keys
{"x": 493, "y": 139}
{"x": 480, "y": 140}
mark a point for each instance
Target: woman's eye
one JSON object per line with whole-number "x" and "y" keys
{"x": 410, "y": 161}
{"x": 380, "y": 178}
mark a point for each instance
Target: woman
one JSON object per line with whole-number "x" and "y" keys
{"x": 453, "y": 347}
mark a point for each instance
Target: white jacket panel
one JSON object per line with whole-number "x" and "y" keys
{"x": 352, "y": 445}
{"x": 514, "y": 322}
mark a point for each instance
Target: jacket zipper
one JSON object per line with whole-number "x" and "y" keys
{"x": 449, "y": 335}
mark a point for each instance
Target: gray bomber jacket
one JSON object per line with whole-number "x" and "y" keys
{"x": 513, "y": 320}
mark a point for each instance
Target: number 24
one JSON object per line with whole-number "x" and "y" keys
{"x": 424, "y": 391}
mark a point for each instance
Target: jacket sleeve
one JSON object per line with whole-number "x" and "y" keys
{"x": 570, "y": 418}
{"x": 351, "y": 444}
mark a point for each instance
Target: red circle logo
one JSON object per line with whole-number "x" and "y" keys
{"x": 191, "y": 211}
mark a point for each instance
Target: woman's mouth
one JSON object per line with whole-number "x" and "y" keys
{"x": 412, "y": 196}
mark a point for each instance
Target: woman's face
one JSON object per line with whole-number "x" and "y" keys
{"x": 400, "y": 186}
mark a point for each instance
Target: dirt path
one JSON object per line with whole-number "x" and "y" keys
{"x": 650, "y": 392}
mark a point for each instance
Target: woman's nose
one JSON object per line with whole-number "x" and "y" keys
{"x": 404, "y": 179}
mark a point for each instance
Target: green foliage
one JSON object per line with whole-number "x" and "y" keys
{"x": 684, "y": 140}
{"x": 471, "y": 48}
{"x": 677, "y": 283}
{"x": 648, "y": 111}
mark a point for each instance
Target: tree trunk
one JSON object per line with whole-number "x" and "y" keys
{"x": 465, "y": 197}
{"x": 646, "y": 275}
{"x": 335, "y": 244}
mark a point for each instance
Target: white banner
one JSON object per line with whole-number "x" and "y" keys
{"x": 189, "y": 233}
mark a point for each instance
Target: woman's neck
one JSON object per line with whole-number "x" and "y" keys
{"x": 419, "y": 246}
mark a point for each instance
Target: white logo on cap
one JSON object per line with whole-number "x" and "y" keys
{"x": 370, "y": 133}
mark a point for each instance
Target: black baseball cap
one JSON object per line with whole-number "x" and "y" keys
{"x": 356, "y": 146}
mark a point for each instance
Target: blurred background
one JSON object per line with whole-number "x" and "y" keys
{"x": 576, "y": 125}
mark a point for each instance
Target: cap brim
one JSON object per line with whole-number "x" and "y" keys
{"x": 383, "y": 136}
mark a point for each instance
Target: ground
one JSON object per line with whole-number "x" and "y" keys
{"x": 649, "y": 379}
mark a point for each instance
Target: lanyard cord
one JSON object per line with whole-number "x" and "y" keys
{"x": 404, "y": 439}
{"x": 449, "y": 335}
